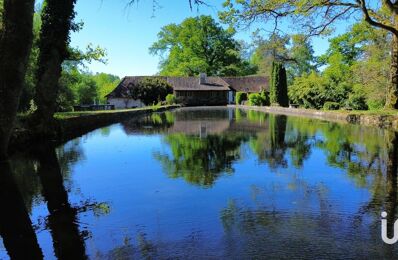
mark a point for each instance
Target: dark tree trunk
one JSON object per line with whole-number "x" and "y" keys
{"x": 392, "y": 168}
{"x": 392, "y": 93}
{"x": 57, "y": 18}
{"x": 16, "y": 229}
{"x": 67, "y": 240}
{"x": 15, "y": 45}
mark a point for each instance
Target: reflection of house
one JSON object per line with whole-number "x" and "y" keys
{"x": 192, "y": 91}
{"x": 200, "y": 127}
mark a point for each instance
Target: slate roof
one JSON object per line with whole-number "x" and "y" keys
{"x": 246, "y": 84}
{"x": 192, "y": 83}
{"x": 252, "y": 84}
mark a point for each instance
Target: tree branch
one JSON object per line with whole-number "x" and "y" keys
{"x": 369, "y": 19}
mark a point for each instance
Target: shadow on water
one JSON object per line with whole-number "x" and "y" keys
{"x": 41, "y": 174}
{"x": 16, "y": 229}
{"x": 68, "y": 242}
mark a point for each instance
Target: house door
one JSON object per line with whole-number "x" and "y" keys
{"x": 231, "y": 97}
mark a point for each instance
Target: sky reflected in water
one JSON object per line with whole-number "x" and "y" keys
{"x": 205, "y": 183}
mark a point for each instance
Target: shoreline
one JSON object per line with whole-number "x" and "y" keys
{"x": 71, "y": 125}
{"x": 381, "y": 121}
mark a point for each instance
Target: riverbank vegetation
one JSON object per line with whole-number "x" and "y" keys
{"x": 358, "y": 71}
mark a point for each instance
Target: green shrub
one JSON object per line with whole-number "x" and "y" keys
{"x": 240, "y": 97}
{"x": 259, "y": 99}
{"x": 357, "y": 101}
{"x": 255, "y": 99}
{"x": 170, "y": 99}
{"x": 331, "y": 106}
{"x": 374, "y": 104}
{"x": 313, "y": 91}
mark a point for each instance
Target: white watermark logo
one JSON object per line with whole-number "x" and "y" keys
{"x": 384, "y": 236}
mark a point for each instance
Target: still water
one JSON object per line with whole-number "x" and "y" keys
{"x": 204, "y": 183}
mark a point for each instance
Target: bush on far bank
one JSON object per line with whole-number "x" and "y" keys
{"x": 240, "y": 97}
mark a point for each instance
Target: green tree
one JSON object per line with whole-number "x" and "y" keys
{"x": 294, "y": 51}
{"x": 317, "y": 18}
{"x": 151, "y": 90}
{"x": 302, "y": 55}
{"x": 15, "y": 43}
{"x": 269, "y": 50}
{"x": 106, "y": 84}
{"x": 278, "y": 93}
{"x": 199, "y": 45}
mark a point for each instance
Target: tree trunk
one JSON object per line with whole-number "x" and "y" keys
{"x": 392, "y": 92}
{"x": 15, "y": 45}
{"x": 57, "y": 20}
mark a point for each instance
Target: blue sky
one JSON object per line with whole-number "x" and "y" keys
{"x": 127, "y": 32}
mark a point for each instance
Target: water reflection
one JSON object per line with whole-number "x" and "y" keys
{"x": 41, "y": 175}
{"x": 206, "y": 183}
{"x": 68, "y": 242}
{"x": 16, "y": 229}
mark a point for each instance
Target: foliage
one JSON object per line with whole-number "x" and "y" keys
{"x": 278, "y": 89}
{"x": 240, "y": 97}
{"x": 151, "y": 90}
{"x": 357, "y": 101}
{"x": 57, "y": 19}
{"x": 259, "y": 99}
{"x": 319, "y": 17}
{"x": 313, "y": 90}
{"x": 73, "y": 74}
{"x": 331, "y": 105}
{"x": 269, "y": 50}
{"x": 170, "y": 99}
{"x": 255, "y": 99}
{"x": 199, "y": 45}
{"x": 1, "y": 14}
{"x": 294, "y": 51}
{"x": 106, "y": 84}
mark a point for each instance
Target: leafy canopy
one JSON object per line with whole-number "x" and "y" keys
{"x": 151, "y": 90}
{"x": 199, "y": 45}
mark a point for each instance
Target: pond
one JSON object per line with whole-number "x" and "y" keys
{"x": 205, "y": 183}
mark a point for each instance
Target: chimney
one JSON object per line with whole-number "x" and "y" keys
{"x": 202, "y": 78}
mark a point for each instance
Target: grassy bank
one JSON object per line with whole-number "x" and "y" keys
{"x": 71, "y": 125}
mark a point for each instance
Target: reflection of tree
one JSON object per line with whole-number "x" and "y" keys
{"x": 27, "y": 182}
{"x": 300, "y": 149}
{"x": 68, "y": 241}
{"x": 365, "y": 154}
{"x": 271, "y": 147}
{"x": 53, "y": 165}
{"x": 200, "y": 160}
{"x": 16, "y": 228}
{"x": 392, "y": 167}
{"x": 153, "y": 123}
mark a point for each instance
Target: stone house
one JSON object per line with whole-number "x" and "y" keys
{"x": 192, "y": 91}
